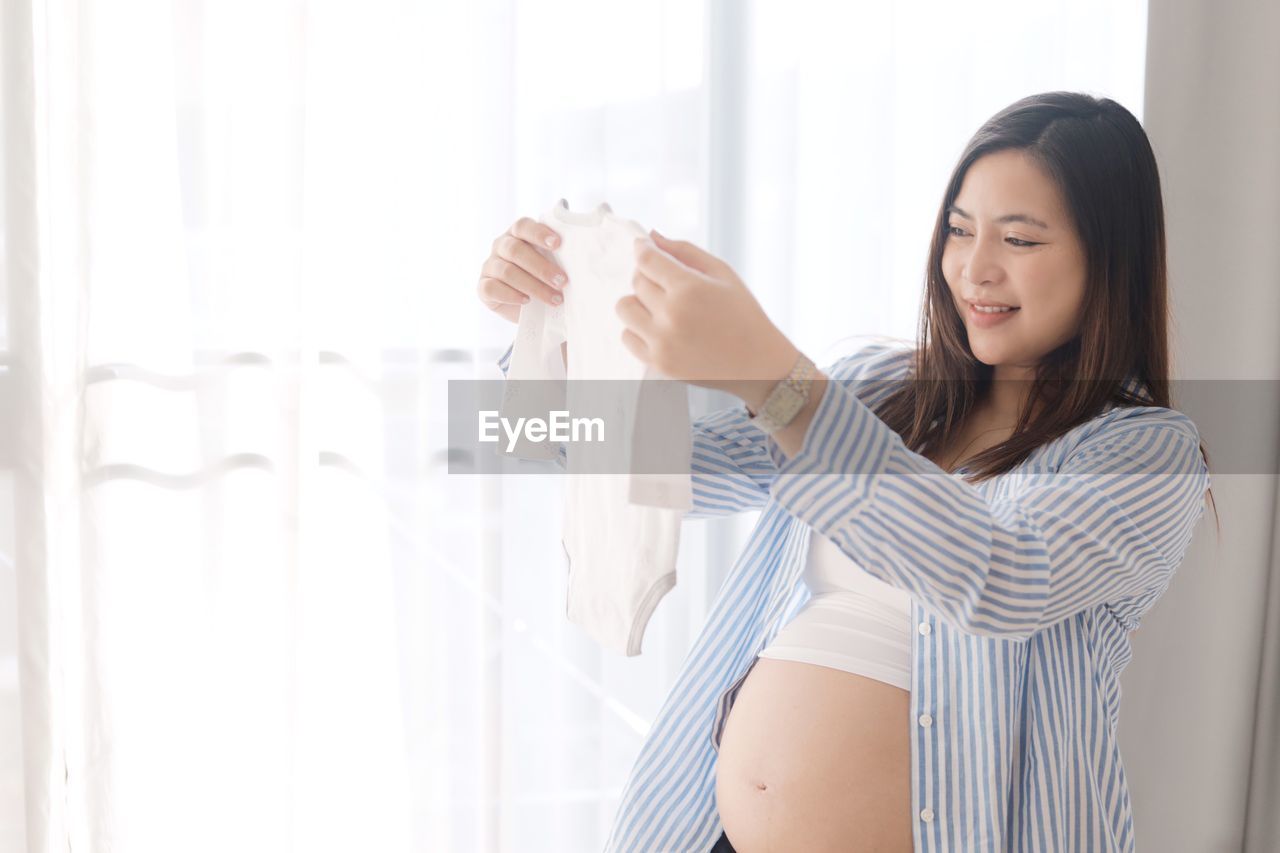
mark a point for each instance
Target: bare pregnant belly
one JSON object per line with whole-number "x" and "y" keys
{"x": 815, "y": 759}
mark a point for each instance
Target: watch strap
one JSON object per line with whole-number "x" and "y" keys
{"x": 787, "y": 397}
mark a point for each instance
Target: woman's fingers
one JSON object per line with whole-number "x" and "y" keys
{"x": 500, "y": 298}
{"x": 524, "y": 245}
{"x": 494, "y": 292}
{"x": 636, "y": 345}
{"x": 535, "y": 232}
{"x": 664, "y": 266}
{"x": 510, "y": 313}
{"x": 508, "y": 272}
{"x": 649, "y": 292}
{"x": 634, "y": 315}
{"x": 517, "y": 269}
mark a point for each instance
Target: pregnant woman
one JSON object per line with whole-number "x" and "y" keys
{"x": 920, "y": 647}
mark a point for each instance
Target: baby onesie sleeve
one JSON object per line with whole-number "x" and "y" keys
{"x": 661, "y": 445}
{"x": 535, "y": 362}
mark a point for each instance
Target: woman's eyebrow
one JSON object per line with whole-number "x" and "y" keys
{"x": 1009, "y": 217}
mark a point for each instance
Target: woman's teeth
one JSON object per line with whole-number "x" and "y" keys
{"x": 985, "y": 310}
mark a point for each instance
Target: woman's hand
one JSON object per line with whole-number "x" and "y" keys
{"x": 517, "y": 269}
{"x": 692, "y": 318}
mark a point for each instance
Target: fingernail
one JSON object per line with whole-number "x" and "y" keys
{"x": 551, "y": 241}
{"x": 559, "y": 280}
{"x": 557, "y": 299}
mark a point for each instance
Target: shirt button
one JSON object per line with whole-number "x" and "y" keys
{"x": 925, "y": 628}
{"x": 926, "y": 815}
{"x": 926, "y": 720}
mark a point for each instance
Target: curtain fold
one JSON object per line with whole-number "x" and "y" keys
{"x": 43, "y": 190}
{"x": 1262, "y": 823}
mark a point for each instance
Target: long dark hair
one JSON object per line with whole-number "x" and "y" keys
{"x": 1098, "y": 155}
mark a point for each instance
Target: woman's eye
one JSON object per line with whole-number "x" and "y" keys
{"x": 951, "y": 231}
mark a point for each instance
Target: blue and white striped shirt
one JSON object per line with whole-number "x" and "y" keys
{"x": 1023, "y": 589}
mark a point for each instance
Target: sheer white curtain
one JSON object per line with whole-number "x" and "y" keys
{"x": 252, "y": 610}
{"x": 204, "y": 233}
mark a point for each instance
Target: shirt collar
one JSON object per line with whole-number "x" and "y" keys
{"x": 1134, "y": 385}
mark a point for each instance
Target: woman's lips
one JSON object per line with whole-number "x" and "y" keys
{"x": 986, "y": 320}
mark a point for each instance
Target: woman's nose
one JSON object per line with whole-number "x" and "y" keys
{"x": 982, "y": 264}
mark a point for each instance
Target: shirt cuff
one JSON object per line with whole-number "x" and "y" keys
{"x": 846, "y": 447}
{"x": 504, "y": 361}
{"x": 733, "y": 426}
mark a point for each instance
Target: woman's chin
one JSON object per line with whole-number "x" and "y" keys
{"x": 987, "y": 353}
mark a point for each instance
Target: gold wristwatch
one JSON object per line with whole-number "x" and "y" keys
{"x": 787, "y": 397}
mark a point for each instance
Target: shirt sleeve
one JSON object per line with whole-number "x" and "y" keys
{"x": 504, "y": 360}
{"x": 1111, "y": 521}
{"x": 733, "y": 466}
{"x": 731, "y": 469}
{"x": 730, "y": 463}
{"x": 535, "y": 362}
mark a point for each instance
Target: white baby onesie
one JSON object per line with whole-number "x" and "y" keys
{"x": 621, "y": 529}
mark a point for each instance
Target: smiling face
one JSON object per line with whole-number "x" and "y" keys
{"x": 1010, "y": 241}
